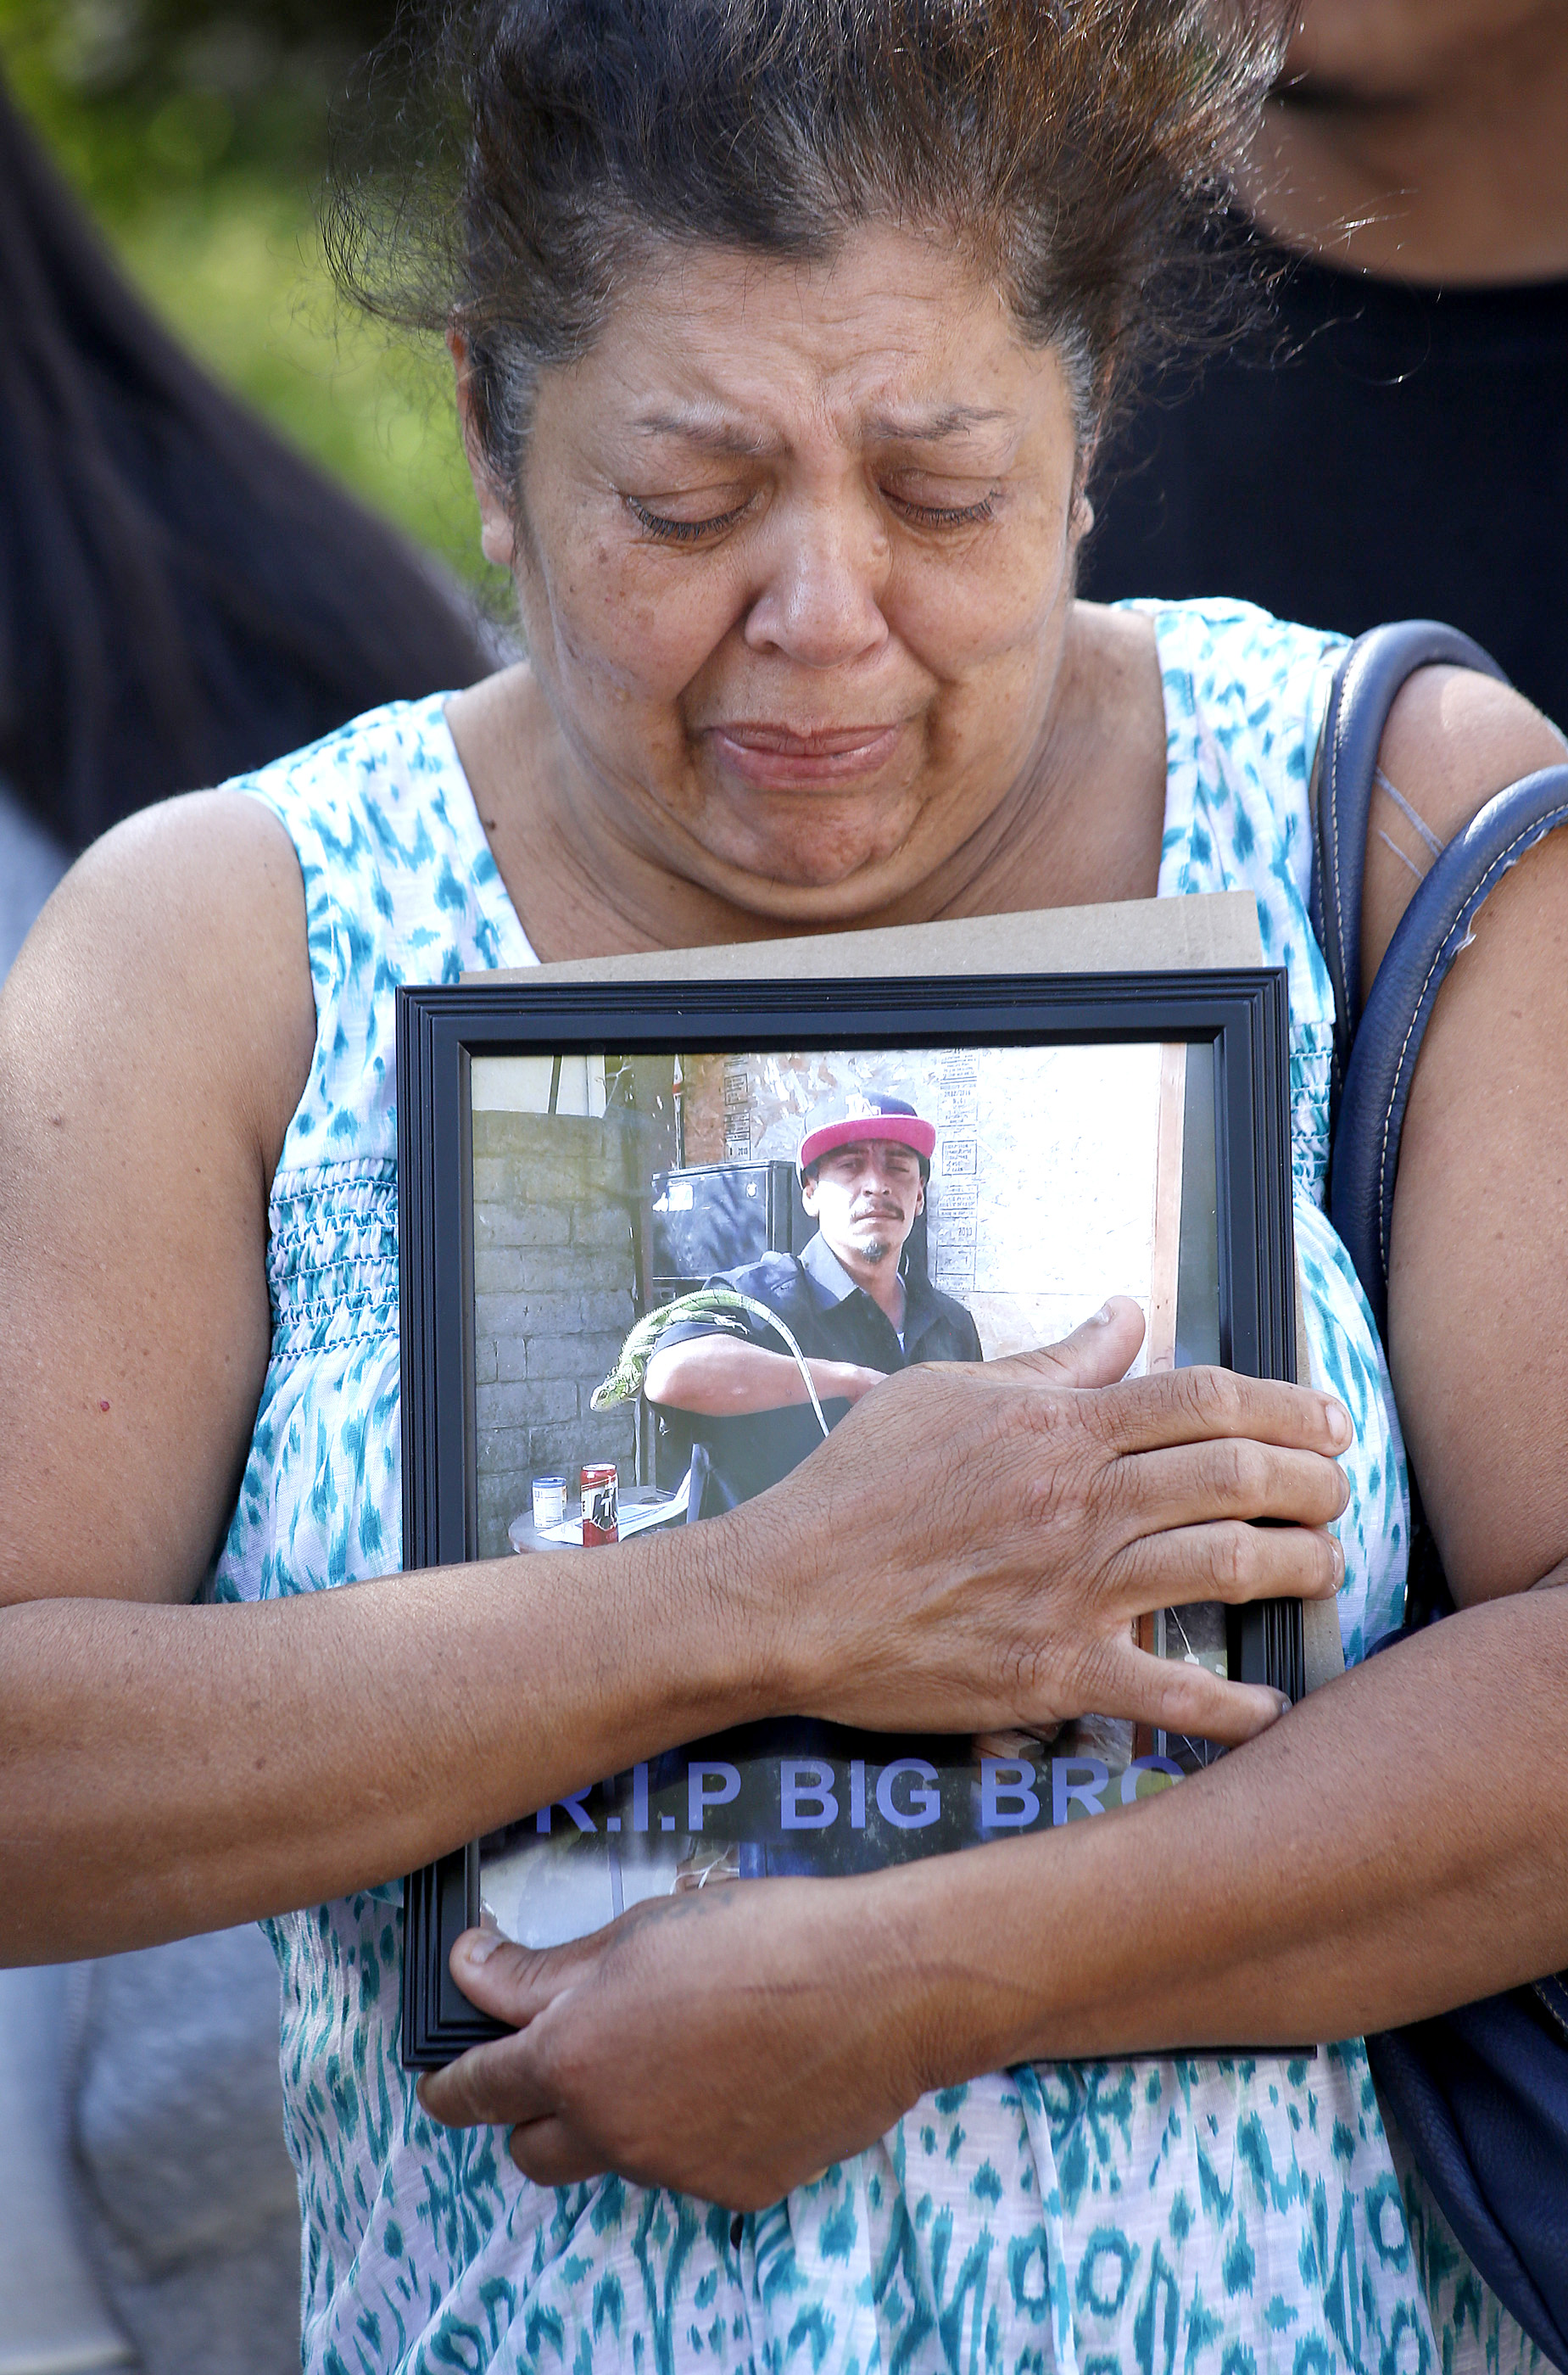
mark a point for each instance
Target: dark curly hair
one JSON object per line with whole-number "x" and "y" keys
{"x": 508, "y": 165}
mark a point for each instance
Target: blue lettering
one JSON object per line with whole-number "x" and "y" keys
{"x": 806, "y": 1779}
{"x": 700, "y": 1796}
{"x": 1022, "y": 1801}
{"x": 925, "y": 1804}
{"x": 574, "y": 1806}
{"x": 1086, "y": 1792}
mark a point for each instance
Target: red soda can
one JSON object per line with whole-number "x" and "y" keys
{"x": 601, "y": 1520}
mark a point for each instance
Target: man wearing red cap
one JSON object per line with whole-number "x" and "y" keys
{"x": 852, "y": 1300}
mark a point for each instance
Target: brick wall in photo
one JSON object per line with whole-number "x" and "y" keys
{"x": 555, "y": 1278}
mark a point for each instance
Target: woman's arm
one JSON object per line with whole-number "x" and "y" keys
{"x": 988, "y": 1534}
{"x": 1395, "y": 1845}
{"x": 158, "y": 1763}
{"x": 724, "y": 1377}
{"x": 1478, "y": 1288}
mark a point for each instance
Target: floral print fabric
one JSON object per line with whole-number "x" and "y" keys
{"x": 1238, "y": 2217}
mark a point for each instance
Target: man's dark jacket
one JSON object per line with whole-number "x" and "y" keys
{"x": 832, "y": 1319}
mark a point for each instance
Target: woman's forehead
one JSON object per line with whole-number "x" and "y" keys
{"x": 894, "y": 337}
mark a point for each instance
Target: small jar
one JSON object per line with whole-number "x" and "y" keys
{"x": 550, "y": 1501}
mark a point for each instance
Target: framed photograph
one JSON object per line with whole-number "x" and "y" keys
{"x": 656, "y": 1239}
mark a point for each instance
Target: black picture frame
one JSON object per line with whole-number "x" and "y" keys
{"x": 1240, "y": 1015}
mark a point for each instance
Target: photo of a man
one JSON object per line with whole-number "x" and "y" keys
{"x": 855, "y": 1302}
{"x": 646, "y": 1229}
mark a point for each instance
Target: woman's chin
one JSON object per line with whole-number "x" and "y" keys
{"x": 828, "y": 887}
{"x": 810, "y": 862}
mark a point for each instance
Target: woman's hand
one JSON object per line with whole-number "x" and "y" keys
{"x": 735, "y": 2042}
{"x": 730, "y": 2043}
{"x": 969, "y": 1551}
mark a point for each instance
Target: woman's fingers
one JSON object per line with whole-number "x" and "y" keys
{"x": 1190, "y": 1406}
{"x": 1178, "y": 1697}
{"x": 1230, "y": 1561}
{"x": 504, "y": 2080}
{"x": 995, "y": 1526}
{"x": 551, "y": 2152}
{"x": 1171, "y": 1695}
{"x": 728, "y": 2044}
{"x": 499, "y": 2082}
{"x": 1203, "y": 1483}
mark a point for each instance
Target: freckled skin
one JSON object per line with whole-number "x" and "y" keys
{"x": 851, "y": 577}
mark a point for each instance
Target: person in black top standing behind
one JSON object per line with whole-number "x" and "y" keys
{"x": 1394, "y": 444}
{"x": 855, "y": 1304}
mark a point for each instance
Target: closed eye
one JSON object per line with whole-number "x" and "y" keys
{"x": 673, "y": 531}
{"x": 945, "y": 514}
{"x": 681, "y": 531}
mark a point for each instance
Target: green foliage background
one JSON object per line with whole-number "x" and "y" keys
{"x": 196, "y": 131}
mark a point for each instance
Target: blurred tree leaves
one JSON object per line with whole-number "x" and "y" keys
{"x": 197, "y": 132}
{"x": 171, "y": 91}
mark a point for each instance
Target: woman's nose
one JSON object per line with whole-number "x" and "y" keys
{"x": 820, "y": 601}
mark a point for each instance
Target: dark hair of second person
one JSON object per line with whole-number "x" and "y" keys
{"x": 180, "y": 597}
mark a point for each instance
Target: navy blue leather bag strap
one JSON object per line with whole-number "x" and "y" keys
{"x": 1482, "y": 2094}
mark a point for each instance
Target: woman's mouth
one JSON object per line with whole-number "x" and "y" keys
{"x": 776, "y": 758}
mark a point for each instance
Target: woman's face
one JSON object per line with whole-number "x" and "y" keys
{"x": 794, "y": 558}
{"x": 1398, "y": 49}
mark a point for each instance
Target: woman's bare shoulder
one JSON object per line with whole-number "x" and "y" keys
{"x": 179, "y": 939}
{"x": 156, "y": 1033}
{"x": 1454, "y": 739}
{"x": 1479, "y": 1270}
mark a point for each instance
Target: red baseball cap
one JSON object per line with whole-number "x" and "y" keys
{"x": 863, "y": 1114}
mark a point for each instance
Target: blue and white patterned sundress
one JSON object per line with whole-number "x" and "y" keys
{"x": 1220, "y": 2217}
